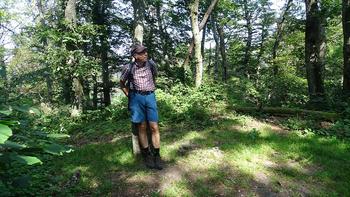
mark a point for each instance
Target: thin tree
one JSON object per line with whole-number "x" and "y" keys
{"x": 346, "y": 50}
{"x": 217, "y": 47}
{"x": 278, "y": 35}
{"x": 249, "y": 39}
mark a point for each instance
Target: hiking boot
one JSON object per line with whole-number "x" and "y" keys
{"x": 148, "y": 161}
{"x": 158, "y": 164}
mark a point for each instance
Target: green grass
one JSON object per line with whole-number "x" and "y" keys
{"x": 227, "y": 155}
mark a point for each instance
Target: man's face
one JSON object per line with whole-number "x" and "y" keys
{"x": 141, "y": 57}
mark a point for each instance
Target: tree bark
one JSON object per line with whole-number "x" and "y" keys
{"x": 346, "y": 47}
{"x": 278, "y": 36}
{"x": 197, "y": 42}
{"x": 203, "y": 41}
{"x": 217, "y": 48}
{"x": 223, "y": 51}
{"x": 315, "y": 48}
{"x": 95, "y": 92}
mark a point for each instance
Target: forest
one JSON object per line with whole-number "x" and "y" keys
{"x": 253, "y": 97}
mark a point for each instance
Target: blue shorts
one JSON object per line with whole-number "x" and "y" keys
{"x": 143, "y": 108}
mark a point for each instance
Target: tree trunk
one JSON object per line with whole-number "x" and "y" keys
{"x": 164, "y": 37}
{"x": 203, "y": 41}
{"x": 48, "y": 72}
{"x": 95, "y": 92}
{"x": 217, "y": 48}
{"x": 346, "y": 47}
{"x": 278, "y": 37}
{"x": 105, "y": 71}
{"x": 71, "y": 18}
{"x": 197, "y": 41}
{"x": 3, "y": 77}
{"x": 100, "y": 18}
{"x": 247, "y": 51}
{"x": 139, "y": 10}
{"x": 223, "y": 51}
{"x": 315, "y": 48}
{"x": 201, "y": 26}
{"x": 139, "y": 18}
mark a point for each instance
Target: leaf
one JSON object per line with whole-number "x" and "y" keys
{"x": 10, "y": 144}
{"x": 58, "y": 135}
{"x": 6, "y": 112}
{"x": 27, "y": 109}
{"x": 5, "y": 133}
{"x": 29, "y": 160}
{"x": 8, "y": 122}
{"x": 56, "y": 149}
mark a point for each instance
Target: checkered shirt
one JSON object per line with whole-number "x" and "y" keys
{"x": 142, "y": 77}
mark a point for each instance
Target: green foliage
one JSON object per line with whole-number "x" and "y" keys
{"x": 254, "y": 134}
{"x": 18, "y": 147}
{"x": 187, "y": 103}
{"x": 299, "y": 123}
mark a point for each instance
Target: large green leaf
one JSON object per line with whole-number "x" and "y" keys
{"x": 56, "y": 149}
{"x": 29, "y": 160}
{"x": 5, "y": 133}
{"x": 10, "y": 144}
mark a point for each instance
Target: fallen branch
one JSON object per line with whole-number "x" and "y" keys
{"x": 279, "y": 111}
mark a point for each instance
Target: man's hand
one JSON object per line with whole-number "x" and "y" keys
{"x": 124, "y": 88}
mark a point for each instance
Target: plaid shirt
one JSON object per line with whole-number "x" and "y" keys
{"x": 142, "y": 77}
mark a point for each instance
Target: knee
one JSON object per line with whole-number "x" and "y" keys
{"x": 142, "y": 126}
{"x": 154, "y": 128}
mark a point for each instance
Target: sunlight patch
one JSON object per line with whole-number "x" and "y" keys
{"x": 205, "y": 158}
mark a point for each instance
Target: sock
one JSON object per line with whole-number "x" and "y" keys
{"x": 144, "y": 151}
{"x": 156, "y": 152}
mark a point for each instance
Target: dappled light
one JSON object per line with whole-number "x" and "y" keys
{"x": 174, "y": 98}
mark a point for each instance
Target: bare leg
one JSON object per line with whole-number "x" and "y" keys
{"x": 155, "y": 134}
{"x": 143, "y": 135}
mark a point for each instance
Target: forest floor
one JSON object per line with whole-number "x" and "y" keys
{"x": 229, "y": 155}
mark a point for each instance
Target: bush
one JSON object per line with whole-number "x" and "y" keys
{"x": 188, "y": 103}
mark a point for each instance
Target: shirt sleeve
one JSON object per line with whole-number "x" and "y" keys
{"x": 125, "y": 73}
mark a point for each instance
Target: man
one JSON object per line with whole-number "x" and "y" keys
{"x": 140, "y": 75}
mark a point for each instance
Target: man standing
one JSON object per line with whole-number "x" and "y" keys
{"x": 137, "y": 81}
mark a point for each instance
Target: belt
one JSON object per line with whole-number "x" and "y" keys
{"x": 142, "y": 92}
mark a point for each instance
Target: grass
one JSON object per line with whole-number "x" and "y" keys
{"x": 209, "y": 151}
{"x": 227, "y": 155}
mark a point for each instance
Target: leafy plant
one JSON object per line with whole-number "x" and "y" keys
{"x": 23, "y": 148}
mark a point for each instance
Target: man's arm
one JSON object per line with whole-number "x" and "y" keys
{"x": 124, "y": 88}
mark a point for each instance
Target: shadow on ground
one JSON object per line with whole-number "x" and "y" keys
{"x": 223, "y": 159}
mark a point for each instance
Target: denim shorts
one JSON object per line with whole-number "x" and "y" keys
{"x": 143, "y": 107}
